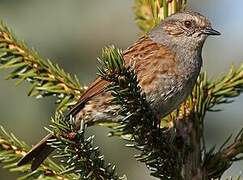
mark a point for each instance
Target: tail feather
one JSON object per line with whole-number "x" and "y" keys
{"x": 37, "y": 154}
{"x": 46, "y": 151}
{"x": 41, "y": 150}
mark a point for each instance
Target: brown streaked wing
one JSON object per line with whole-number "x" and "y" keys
{"x": 136, "y": 48}
{"x": 151, "y": 61}
{"x": 146, "y": 50}
{"x": 94, "y": 89}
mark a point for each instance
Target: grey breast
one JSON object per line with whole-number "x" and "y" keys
{"x": 175, "y": 89}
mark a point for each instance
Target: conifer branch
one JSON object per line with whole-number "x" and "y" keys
{"x": 12, "y": 149}
{"x": 216, "y": 163}
{"x": 46, "y": 78}
{"x": 78, "y": 152}
{"x": 223, "y": 90}
{"x": 148, "y": 13}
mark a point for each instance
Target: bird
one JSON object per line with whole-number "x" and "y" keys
{"x": 167, "y": 61}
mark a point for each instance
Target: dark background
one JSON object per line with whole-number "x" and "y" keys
{"x": 72, "y": 33}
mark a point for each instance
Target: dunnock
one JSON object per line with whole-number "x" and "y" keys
{"x": 167, "y": 62}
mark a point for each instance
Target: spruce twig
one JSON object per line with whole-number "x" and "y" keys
{"x": 12, "y": 149}
{"x": 216, "y": 163}
{"x": 148, "y": 13}
{"x": 46, "y": 78}
{"x": 78, "y": 152}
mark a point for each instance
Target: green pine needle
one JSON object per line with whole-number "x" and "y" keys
{"x": 47, "y": 78}
{"x": 78, "y": 153}
{"x": 12, "y": 149}
{"x": 148, "y": 13}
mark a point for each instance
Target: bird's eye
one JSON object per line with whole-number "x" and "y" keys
{"x": 188, "y": 24}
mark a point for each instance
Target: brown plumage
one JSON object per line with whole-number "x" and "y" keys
{"x": 167, "y": 62}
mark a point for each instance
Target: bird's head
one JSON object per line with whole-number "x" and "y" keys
{"x": 184, "y": 29}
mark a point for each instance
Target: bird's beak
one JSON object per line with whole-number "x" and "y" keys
{"x": 210, "y": 31}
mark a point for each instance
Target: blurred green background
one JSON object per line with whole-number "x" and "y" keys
{"x": 72, "y": 33}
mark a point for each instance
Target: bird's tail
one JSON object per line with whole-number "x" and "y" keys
{"x": 37, "y": 154}
{"x": 41, "y": 150}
